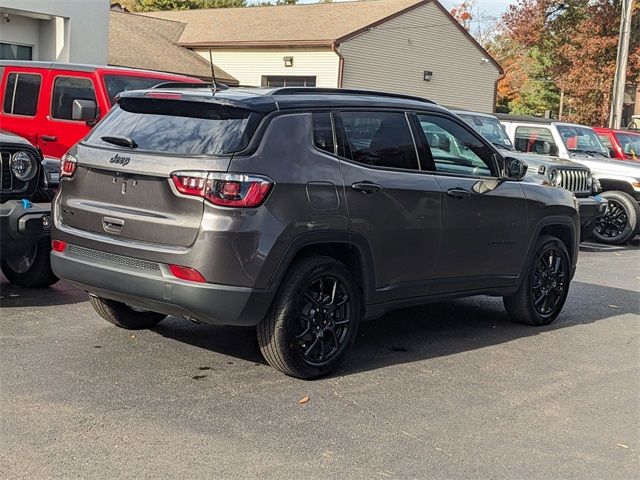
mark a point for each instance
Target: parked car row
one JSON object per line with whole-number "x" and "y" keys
{"x": 300, "y": 211}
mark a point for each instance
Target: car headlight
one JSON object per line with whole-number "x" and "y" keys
{"x": 555, "y": 177}
{"x": 23, "y": 166}
{"x": 597, "y": 186}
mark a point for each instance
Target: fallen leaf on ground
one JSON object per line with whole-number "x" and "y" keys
{"x": 303, "y": 400}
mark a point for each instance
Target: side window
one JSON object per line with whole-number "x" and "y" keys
{"x": 535, "y": 140}
{"x": 65, "y": 91}
{"x": 323, "y": 132}
{"x": 454, "y": 149}
{"x": 21, "y": 94}
{"x": 381, "y": 139}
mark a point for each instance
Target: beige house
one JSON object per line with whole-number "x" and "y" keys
{"x": 404, "y": 46}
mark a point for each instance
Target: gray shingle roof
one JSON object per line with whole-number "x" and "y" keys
{"x": 152, "y": 43}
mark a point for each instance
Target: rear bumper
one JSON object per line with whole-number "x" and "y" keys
{"x": 22, "y": 223}
{"x": 151, "y": 286}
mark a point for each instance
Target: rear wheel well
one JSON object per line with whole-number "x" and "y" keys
{"x": 563, "y": 232}
{"x": 344, "y": 252}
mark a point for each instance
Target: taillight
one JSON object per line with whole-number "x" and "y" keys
{"x": 68, "y": 165}
{"x": 186, "y": 273}
{"x": 224, "y": 189}
{"x": 58, "y": 245}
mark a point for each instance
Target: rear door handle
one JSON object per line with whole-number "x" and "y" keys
{"x": 459, "y": 193}
{"x": 366, "y": 188}
{"x": 48, "y": 138}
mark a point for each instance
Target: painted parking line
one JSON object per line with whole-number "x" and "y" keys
{"x": 599, "y": 247}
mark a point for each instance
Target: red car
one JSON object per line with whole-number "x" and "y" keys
{"x": 53, "y": 105}
{"x": 622, "y": 144}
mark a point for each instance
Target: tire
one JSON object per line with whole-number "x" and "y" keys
{"x": 621, "y": 222}
{"x": 524, "y": 306}
{"x": 313, "y": 320}
{"x": 33, "y": 268}
{"x": 123, "y": 315}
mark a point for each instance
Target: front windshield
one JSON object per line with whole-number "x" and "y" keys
{"x": 581, "y": 140}
{"x": 630, "y": 143}
{"x": 490, "y": 128}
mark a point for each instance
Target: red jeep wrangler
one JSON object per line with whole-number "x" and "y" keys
{"x": 53, "y": 105}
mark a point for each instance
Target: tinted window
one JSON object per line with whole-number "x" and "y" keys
{"x": 177, "y": 127}
{"x": 454, "y": 149}
{"x": 380, "y": 139}
{"x": 21, "y": 94}
{"x": 490, "y": 128}
{"x": 323, "y": 132}
{"x": 116, "y": 84}
{"x": 630, "y": 143}
{"x": 65, "y": 91}
{"x": 535, "y": 140}
{"x": 581, "y": 139}
{"x": 10, "y": 51}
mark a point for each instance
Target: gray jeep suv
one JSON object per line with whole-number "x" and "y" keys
{"x": 302, "y": 212}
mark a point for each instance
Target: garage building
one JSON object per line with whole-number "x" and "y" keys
{"x": 405, "y": 46}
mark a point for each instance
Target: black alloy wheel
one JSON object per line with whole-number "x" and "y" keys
{"x": 621, "y": 221}
{"x": 613, "y": 223}
{"x": 549, "y": 281}
{"x": 313, "y": 320}
{"x": 323, "y": 320}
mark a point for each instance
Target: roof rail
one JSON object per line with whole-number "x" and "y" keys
{"x": 339, "y": 91}
{"x": 220, "y": 86}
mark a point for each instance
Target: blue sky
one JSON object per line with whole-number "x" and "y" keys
{"x": 492, "y": 7}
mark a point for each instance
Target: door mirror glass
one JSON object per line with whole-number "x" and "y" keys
{"x": 514, "y": 169}
{"x": 546, "y": 148}
{"x": 84, "y": 110}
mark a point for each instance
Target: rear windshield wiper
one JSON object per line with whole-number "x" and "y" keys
{"x": 120, "y": 141}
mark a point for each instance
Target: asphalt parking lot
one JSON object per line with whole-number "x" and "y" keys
{"x": 452, "y": 390}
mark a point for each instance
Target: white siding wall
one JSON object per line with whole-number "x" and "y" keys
{"x": 69, "y": 30}
{"x": 21, "y": 31}
{"x": 249, "y": 65}
{"x": 393, "y": 57}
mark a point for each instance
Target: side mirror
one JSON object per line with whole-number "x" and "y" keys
{"x": 84, "y": 110}
{"x": 514, "y": 169}
{"x": 546, "y": 148}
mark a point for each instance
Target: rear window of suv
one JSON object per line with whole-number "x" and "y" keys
{"x": 178, "y": 127}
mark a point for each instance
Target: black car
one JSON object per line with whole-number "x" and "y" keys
{"x": 302, "y": 212}
{"x": 26, "y": 183}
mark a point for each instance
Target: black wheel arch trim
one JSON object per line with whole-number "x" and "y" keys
{"x": 309, "y": 239}
{"x": 551, "y": 221}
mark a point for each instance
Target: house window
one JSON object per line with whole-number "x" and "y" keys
{"x": 9, "y": 51}
{"x": 288, "y": 81}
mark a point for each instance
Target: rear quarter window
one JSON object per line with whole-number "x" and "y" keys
{"x": 21, "y": 94}
{"x": 178, "y": 127}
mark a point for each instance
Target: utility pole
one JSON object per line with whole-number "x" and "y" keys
{"x": 620, "y": 80}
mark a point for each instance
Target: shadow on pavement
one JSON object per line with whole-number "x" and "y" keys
{"x": 13, "y": 296}
{"x": 424, "y": 332}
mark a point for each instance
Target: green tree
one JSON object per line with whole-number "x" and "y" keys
{"x": 153, "y": 5}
